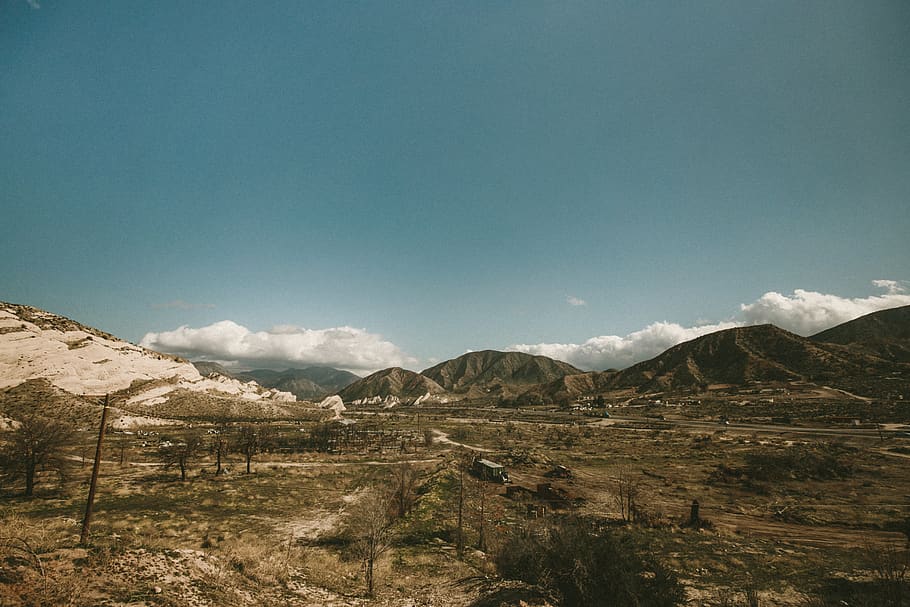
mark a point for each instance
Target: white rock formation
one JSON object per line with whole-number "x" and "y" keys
{"x": 83, "y": 362}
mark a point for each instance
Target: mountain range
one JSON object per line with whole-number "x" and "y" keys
{"x": 869, "y": 356}
{"x": 311, "y": 383}
{"x": 49, "y": 358}
{"x": 866, "y": 356}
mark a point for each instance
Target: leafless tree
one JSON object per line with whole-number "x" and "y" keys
{"x": 36, "y": 445}
{"x": 891, "y": 567}
{"x": 253, "y": 439}
{"x": 123, "y": 445}
{"x": 219, "y": 446}
{"x": 180, "y": 453}
{"x": 371, "y": 529}
{"x": 404, "y": 484}
{"x": 627, "y": 494}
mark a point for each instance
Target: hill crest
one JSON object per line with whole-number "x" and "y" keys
{"x": 494, "y": 368}
{"x": 391, "y": 385}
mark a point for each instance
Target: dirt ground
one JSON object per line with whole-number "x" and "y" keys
{"x": 784, "y": 509}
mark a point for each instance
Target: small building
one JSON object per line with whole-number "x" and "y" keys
{"x": 489, "y": 471}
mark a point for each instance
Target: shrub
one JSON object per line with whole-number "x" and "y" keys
{"x": 585, "y": 564}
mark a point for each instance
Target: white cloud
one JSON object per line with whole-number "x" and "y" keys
{"x": 575, "y": 301}
{"x": 614, "y": 351}
{"x": 808, "y": 312}
{"x": 892, "y": 286}
{"x": 804, "y": 313}
{"x": 342, "y": 347}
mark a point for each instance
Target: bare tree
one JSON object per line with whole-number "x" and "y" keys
{"x": 123, "y": 445}
{"x": 891, "y": 568}
{"x": 404, "y": 484}
{"x": 219, "y": 446}
{"x": 371, "y": 530}
{"x": 627, "y": 494}
{"x": 35, "y": 446}
{"x": 180, "y": 453}
{"x": 253, "y": 439}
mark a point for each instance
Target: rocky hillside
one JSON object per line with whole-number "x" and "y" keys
{"x": 566, "y": 389}
{"x": 52, "y": 356}
{"x": 763, "y": 353}
{"x": 885, "y": 334}
{"x": 738, "y": 356}
{"x": 391, "y": 386}
{"x": 489, "y": 369}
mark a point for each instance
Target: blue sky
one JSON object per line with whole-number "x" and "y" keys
{"x": 377, "y": 183}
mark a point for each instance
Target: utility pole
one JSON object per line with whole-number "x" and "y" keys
{"x": 87, "y": 520}
{"x": 459, "y": 546}
{"x": 482, "y": 541}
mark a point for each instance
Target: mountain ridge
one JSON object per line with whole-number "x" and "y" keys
{"x": 885, "y": 334}
{"x": 490, "y": 367}
{"x": 309, "y": 383}
{"x": 394, "y": 382}
{"x": 757, "y": 354}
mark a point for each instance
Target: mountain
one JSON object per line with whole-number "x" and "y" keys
{"x": 50, "y": 358}
{"x": 207, "y": 368}
{"x": 762, "y": 353}
{"x": 312, "y": 383}
{"x": 885, "y": 334}
{"x": 479, "y": 373}
{"x": 390, "y": 385}
{"x": 566, "y": 389}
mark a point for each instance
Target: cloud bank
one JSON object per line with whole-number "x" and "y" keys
{"x": 808, "y": 312}
{"x": 346, "y": 348}
{"x": 615, "y": 352}
{"x": 804, "y": 313}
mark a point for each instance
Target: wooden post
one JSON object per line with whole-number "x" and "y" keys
{"x": 87, "y": 520}
{"x": 694, "y": 516}
{"x": 481, "y": 540}
{"x": 459, "y": 545}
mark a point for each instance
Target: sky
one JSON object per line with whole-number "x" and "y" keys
{"x": 374, "y": 184}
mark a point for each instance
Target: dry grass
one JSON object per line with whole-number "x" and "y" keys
{"x": 273, "y": 537}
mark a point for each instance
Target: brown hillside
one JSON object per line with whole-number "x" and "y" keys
{"x": 492, "y": 368}
{"x": 745, "y": 354}
{"x": 885, "y": 334}
{"x": 395, "y": 381}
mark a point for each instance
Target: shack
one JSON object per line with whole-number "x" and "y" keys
{"x": 489, "y": 471}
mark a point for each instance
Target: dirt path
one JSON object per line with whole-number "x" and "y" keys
{"x": 431, "y": 460}
{"x": 850, "y": 394}
{"x": 732, "y": 427}
{"x": 827, "y": 536}
{"x": 441, "y": 437}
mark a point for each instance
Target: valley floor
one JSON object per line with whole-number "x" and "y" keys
{"x": 787, "y": 512}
